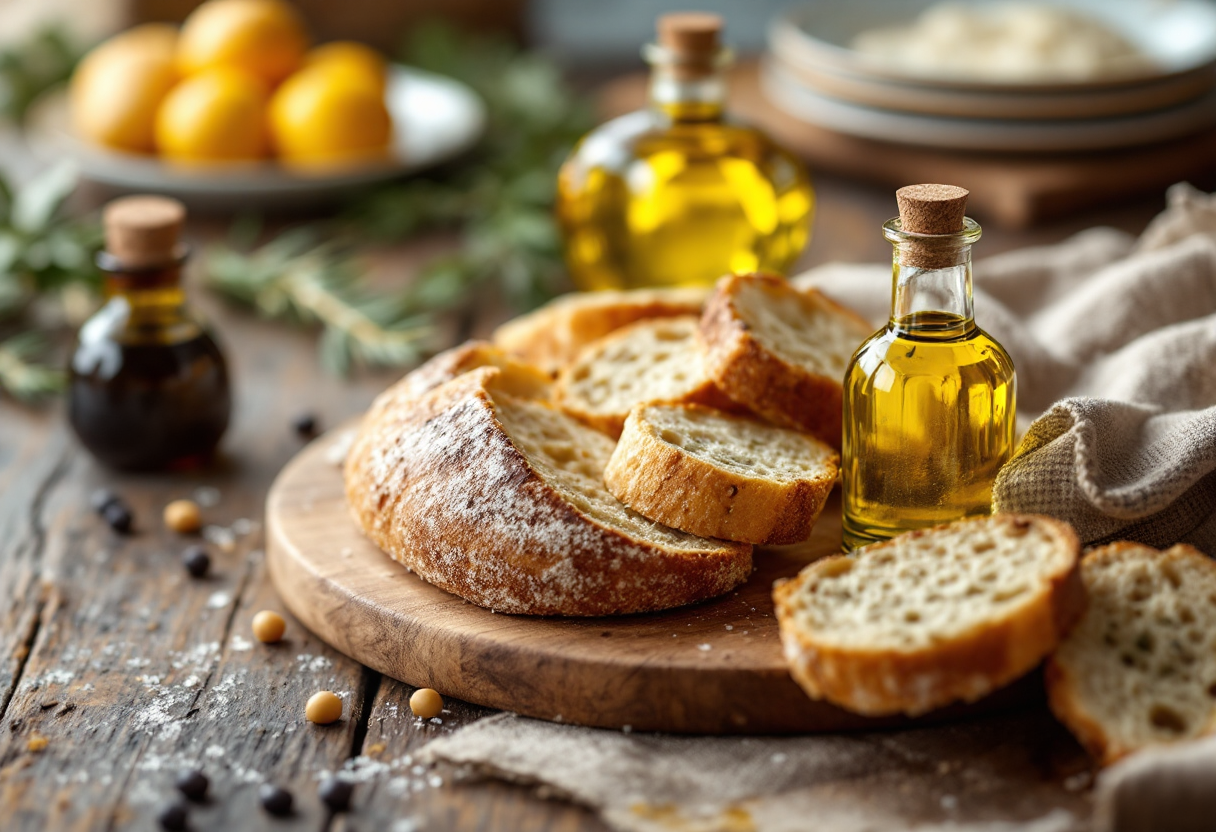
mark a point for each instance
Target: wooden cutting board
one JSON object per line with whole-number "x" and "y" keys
{"x": 1014, "y": 190}
{"x": 711, "y": 668}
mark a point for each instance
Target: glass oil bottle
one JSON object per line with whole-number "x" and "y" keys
{"x": 148, "y": 385}
{"x": 929, "y": 399}
{"x": 677, "y": 194}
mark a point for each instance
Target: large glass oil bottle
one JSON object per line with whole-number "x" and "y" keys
{"x": 677, "y": 195}
{"x": 149, "y": 386}
{"x": 929, "y": 399}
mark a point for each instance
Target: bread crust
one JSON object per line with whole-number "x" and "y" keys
{"x": 553, "y": 335}
{"x": 671, "y": 486}
{"x": 1063, "y": 686}
{"x": 880, "y": 682}
{"x": 438, "y": 484}
{"x": 784, "y": 393}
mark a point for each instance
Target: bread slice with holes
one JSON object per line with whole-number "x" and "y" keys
{"x": 1140, "y": 667}
{"x": 934, "y": 616}
{"x": 710, "y": 473}
{"x": 649, "y": 362}
{"x": 500, "y": 500}
{"x": 553, "y": 335}
{"x": 781, "y": 352}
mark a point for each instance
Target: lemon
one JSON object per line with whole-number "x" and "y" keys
{"x": 329, "y": 114}
{"x": 117, "y": 88}
{"x": 350, "y": 55}
{"x": 217, "y": 115}
{"x": 263, "y": 37}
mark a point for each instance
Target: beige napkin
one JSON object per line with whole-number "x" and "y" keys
{"x": 1114, "y": 340}
{"x": 1014, "y": 773}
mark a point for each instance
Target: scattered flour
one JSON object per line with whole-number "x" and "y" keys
{"x": 219, "y": 600}
{"x": 240, "y": 644}
{"x": 308, "y": 663}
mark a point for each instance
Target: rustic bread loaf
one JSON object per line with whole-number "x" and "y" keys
{"x": 1140, "y": 667}
{"x": 654, "y": 361}
{"x": 501, "y": 501}
{"x": 553, "y": 335}
{"x": 780, "y": 352}
{"x": 717, "y": 475}
{"x": 934, "y": 616}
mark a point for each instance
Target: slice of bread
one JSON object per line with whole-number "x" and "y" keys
{"x": 781, "y": 353}
{"x": 520, "y": 379}
{"x": 501, "y": 501}
{"x": 553, "y": 335}
{"x": 1140, "y": 667}
{"x": 933, "y": 616}
{"x": 717, "y": 475}
{"x": 655, "y": 361}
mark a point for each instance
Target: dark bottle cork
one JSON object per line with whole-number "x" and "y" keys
{"x": 935, "y": 210}
{"x": 144, "y": 231}
{"x": 693, "y": 40}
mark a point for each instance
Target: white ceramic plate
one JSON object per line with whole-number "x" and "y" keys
{"x": 1088, "y": 102}
{"x": 1178, "y": 35}
{"x": 1018, "y": 136}
{"x": 434, "y": 119}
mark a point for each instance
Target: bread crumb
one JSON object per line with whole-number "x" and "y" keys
{"x": 375, "y": 749}
{"x": 37, "y": 743}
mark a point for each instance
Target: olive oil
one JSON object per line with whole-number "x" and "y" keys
{"x": 148, "y": 385}
{"x": 678, "y": 195}
{"x": 929, "y": 400}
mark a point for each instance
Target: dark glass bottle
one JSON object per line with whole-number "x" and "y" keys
{"x": 149, "y": 386}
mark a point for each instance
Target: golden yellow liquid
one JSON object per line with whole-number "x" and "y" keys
{"x": 928, "y": 422}
{"x": 650, "y": 200}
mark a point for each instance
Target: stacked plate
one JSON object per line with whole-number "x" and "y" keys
{"x": 814, "y": 72}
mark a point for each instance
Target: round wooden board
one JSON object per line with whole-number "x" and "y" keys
{"x": 711, "y": 668}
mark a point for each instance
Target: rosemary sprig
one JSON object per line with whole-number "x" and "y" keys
{"x": 22, "y": 374}
{"x": 296, "y": 278}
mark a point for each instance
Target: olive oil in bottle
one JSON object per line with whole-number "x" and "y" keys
{"x": 929, "y": 399}
{"x": 677, "y": 194}
{"x": 149, "y": 386}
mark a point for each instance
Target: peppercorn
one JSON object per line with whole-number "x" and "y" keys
{"x": 305, "y": 425}
{"x": 197, "y": 561}
{"x": 336, "y": 793}
{"x": 193, "y": 784}
{"x": 275, "y": 799}
{"x": 118, "y": 516}
{"x": 173, "y": 816}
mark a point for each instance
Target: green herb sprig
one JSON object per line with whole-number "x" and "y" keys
{"x": 46, "y": 260}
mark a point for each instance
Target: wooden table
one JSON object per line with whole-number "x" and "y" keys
{"x": 130, "y": 670}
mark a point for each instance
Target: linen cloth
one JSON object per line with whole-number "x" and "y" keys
{"x": 1114, "y": 341}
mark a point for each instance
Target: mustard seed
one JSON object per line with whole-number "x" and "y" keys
{"x": 183, "y": 516}
{"x": 268, "y": 627}
{"x": 426, "y": 703}
{"x": 323, "y": 708}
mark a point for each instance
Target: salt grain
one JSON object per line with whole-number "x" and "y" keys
{"x": 219, "y": 600}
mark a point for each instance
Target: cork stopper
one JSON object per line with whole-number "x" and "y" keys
{"x": 931, "y": 209}
{"x": 143, "y": 231}
{"x": 693, "y": 39}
